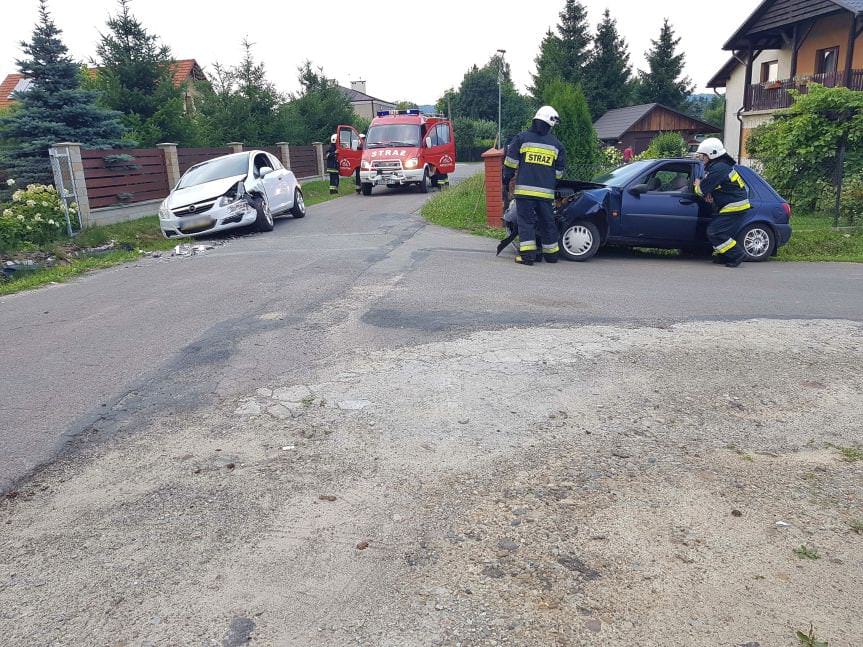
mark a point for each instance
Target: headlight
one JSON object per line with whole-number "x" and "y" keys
{"x": 164, "y": 212}
{"x": 366, "y": 165}
{"x": 236, "y": 192}
{"x": 225, "y": 200}
{"x": 412, "y": 163}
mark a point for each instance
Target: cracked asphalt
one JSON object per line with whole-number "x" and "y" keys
{"x": 362, "y": 429}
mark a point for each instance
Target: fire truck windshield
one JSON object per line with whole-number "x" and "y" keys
{"x": 393, "y": 135}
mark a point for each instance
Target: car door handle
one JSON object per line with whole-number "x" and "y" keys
{"x": 687, "y": 201}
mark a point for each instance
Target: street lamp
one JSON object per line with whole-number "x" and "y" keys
{"x": 499, "y": 84}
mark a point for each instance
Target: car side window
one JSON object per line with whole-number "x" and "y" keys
{"x": 275, "y": 164}
{"x": 434, "y": 137}
{"x": 260, "y": 162}
{"x": 670, "y": 178}
{"x": 443, "y": 134}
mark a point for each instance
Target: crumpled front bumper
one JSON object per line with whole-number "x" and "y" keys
{"x": 239, "y": 214}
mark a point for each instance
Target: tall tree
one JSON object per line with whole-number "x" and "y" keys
{"x": 549, "y": 64}
{"x": 575, "y": 130}
{"x": 608, "y": 75}
{"x": 135, "y": 77}
{"x": 664, "y": 82}
{"x": 53, "y": 109}
{"x": 242, "y": 104}
{"x": 575, "y": 40}
{"x": 313, "y": 114}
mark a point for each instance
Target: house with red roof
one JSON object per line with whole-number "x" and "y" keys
{"x": 187, "y": 73}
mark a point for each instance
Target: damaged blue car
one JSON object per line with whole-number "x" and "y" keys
{"x": 651, "y": 203}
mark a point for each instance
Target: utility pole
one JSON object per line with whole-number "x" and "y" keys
{"x": 499, "y": 84}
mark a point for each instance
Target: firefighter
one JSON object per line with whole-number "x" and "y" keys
{"x": 359, "y": 185}
{"x": 537, "y": 159}
{"x": 333, "y": 165}
{"x": 724, "y": 188}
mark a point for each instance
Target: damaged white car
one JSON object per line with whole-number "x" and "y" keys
{"x": 241, "y": 190}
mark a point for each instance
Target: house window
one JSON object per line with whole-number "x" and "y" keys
{"x": 827, "y": 60}
{"x": 770, "y": 71}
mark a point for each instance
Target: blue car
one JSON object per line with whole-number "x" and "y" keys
{"x": 651, "y": 203}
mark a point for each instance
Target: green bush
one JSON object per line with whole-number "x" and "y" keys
{"x": 34, "y": 217}
{"x": 665, "y": 145}
{"x": 610, "y": 159}
{"x": 575, "y": 130}
{"x": 797, "y": 151}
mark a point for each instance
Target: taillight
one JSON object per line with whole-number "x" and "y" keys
{"x": 787, "y": 208}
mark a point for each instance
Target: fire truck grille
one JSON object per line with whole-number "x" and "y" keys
{"x": 394, "y": 165}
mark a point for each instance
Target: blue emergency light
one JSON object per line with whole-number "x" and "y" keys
{"x": 393, "y": 113}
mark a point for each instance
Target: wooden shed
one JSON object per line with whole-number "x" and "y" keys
{"x": 636, "y": 126}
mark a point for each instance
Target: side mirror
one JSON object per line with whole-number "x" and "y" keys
{"x": 428, "y": 142}
{"x": 265, "y": 170}
{"x": 639, "y": 189}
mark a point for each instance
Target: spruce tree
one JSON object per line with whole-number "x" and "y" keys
{"x": 549, "y": 65}
{"x": 664, "y": 82}
{"x": 575, "y": 40}
{"x": 608, "y": 74}
{"x": 53, "y": 109}
{"x": 135, "y": 77}
{"x": 575, "y": 131}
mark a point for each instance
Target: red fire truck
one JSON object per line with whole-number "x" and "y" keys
{"x": 402, "y": 147}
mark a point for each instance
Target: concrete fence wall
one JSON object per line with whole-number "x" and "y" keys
{"x": 125, "y": 184}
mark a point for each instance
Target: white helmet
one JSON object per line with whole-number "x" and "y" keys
{"x": 333, "y": 139}
{"x": 548, "y": 115}
{"x": 712, "y": 147}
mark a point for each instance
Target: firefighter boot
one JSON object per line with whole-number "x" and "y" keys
{"x": 524, "y": 258}
{"x": 734, "y": 256}
{"x": 550, "y": 257}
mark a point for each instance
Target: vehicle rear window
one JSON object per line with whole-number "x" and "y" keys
{"x": 216, "y": 169}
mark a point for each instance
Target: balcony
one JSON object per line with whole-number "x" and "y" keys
{"x": 776, "y": 95}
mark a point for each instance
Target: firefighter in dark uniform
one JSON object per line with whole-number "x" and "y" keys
{"x": 537, "y": 159}
{"x": 333, "y": 166}
{"x": 724, "y": 188}
{"x": 359, "y": 185}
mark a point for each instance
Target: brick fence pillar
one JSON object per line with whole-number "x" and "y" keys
{"x": 172, "y": 163}
{"x": 319, "y": 150}
{"x": 70, "y": 176}
{"x": 493, "y": 159}
{"x": 284, "y": 154}
{"x": 236, "y": 147}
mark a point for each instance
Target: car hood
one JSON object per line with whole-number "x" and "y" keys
{"x": 579, "y": 185}
{"x": 589, "y": 199}
{"x": 201, "y": 192}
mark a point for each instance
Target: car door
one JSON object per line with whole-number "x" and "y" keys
{"x": 284, "y": 188}
{"x": 269, "y": 182}
{"x": 349, "y": 152}
{"x": 445, "y": 162}
{"x": 668, "y": 211}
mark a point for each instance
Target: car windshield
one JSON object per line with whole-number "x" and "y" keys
{"x": 393, "y": 135}
{"x": 623, "y": 175}
{"x": 217, "y": 169}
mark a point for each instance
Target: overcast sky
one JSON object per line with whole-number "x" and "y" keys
{"x": 404, "y": 50}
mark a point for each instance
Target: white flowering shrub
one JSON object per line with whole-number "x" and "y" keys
{"x": 610, "y": 158}
{"x": 34, "y": 217}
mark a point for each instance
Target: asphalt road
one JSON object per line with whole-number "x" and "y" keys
{"x": 121, "y": 347}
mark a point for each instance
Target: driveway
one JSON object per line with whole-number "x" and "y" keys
{"x": 364, "y": 429}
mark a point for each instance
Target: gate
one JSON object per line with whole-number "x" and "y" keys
{"x": 61, "y": 165}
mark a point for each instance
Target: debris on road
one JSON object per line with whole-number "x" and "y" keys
{"x": 187, "y": 249}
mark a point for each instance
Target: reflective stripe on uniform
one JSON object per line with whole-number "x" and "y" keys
{"x": 550, "y": 249}
{"x": 510, "y": 162}
{"x": 724, "y": 247}
{"x": 698, "y": 190}
{"x": 527, "y": 246}
{"x": 735, "y": 207}
{"x": 558, "y": 174}
{"x": 734, "y": 176}
{"x": 527, "y": 191}
{"x": 537, "y": 146}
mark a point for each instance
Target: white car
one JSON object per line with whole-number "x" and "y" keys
{"x": 238, "y": 190}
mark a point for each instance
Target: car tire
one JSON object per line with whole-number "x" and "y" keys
{"x": 264, "y": 221}
{"x": 299, "y": 208}
{"x": 367, "y": 188}
{"x": 757, "y": 242}
{"x": 579, "y": 241}
{"x": 426, "y": 182}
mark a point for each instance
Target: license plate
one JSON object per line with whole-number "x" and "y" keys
{"x": 196, "y": 223}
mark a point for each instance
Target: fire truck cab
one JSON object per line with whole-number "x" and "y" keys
{"x": 407, "y": 147}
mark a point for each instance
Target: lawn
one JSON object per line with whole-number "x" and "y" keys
{"x": 814, "y": 239}
{"x": 129, "y": 237}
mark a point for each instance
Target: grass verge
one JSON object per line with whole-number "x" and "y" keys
{"x": 814, "y": 239}
{"x": 142, "y": 234}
